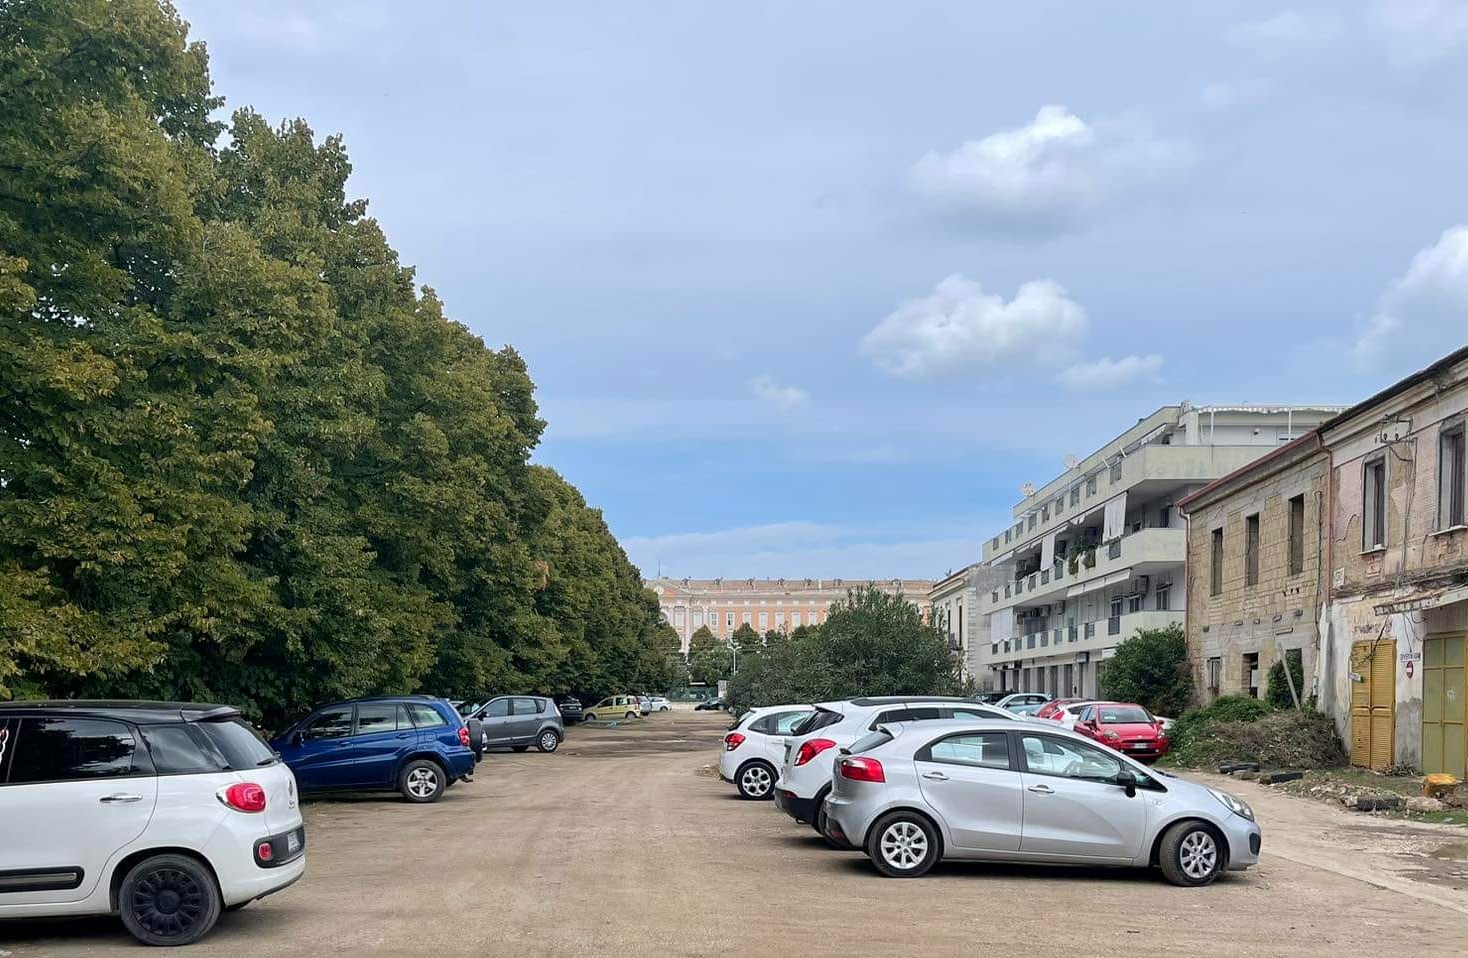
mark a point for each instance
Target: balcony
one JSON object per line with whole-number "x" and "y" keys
{"x": 1088, "y": 636}
{"x": 1141, "y": 553}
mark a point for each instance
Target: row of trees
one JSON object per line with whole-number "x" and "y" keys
{"x": 243, "y": 457}
{"x": 871, "y": 643}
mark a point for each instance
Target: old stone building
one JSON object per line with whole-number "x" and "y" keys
{"x": 763, "y": 604}
{"x": 1255, "y": 575}
{"x": 1395, "y": 626}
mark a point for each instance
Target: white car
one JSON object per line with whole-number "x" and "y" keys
{"x": 813, "y": 745}
{"x": 165, "y": 814}
{"x": 1068, "y": 715}
{"x": 657, "y": 703}
{"x": 755, "y": 747}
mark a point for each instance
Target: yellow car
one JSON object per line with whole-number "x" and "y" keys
{"x": 614, "y": 707}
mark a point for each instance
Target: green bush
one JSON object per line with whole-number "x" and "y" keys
{"x": 1151, "y": 668}
{"x": 1292, "y": 738}
{"x": 1278, "y": 692}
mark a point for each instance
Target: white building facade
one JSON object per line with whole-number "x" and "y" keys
{"x": 1101, "y": 550}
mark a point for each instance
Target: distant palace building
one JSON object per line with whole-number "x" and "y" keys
{"x": 764, "y": 604}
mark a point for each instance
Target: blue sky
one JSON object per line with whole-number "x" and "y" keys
{"x": 811, "y": 289}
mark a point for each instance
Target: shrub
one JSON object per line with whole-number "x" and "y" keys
{"x": 1292, "y": 738}
{"x": 1151, "y": 668}
{"x": 1278, "y": 692}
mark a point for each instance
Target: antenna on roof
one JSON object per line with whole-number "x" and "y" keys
{"x": 1027, "y": 490}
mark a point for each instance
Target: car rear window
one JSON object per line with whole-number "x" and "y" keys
{"x": 819, "y": 719}
{"x": 870, "y": 741}
{"x": 238, "y": 743}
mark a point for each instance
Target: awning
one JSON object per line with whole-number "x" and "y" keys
{"x": 1419, "y": 603}
{"x": 1100, "y": 582}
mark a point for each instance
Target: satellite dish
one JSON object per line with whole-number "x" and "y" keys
{"x": 1028, "y": 489}
{"x": 1071, "y": 461}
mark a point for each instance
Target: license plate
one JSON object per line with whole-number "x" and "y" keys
{"x": 292, "y": 843}
{"x": 1140, "y": 746}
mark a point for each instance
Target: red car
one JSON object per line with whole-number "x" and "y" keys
{"x": 1126, "y": 727}
{"x": 1051, "y": 709}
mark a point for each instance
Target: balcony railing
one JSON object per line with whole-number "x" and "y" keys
{"x": 1090, "y": 630}
{"x": 1074, "y": 633}
{"x": 1113, "y": 549}
{"x": 1113, "y": 625}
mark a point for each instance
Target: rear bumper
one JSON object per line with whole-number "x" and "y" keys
{"x": 800, "y": 809}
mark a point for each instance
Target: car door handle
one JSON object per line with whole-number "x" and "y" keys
{"x": 935, "y": 776}
{"x": 1042, "y": 789}
{"x": 121, "y": 798}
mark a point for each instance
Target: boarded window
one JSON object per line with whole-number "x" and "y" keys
{"x": 1251, "y": 550}
{"x": 1297, "y": 535}
{"x": 1373, "y": 507}
{"x": 1215, "y": 571}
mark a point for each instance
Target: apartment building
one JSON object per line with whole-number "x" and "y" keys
{"x": 1395, "y": 624}
{"x": 764, "y": 604}
{"x": 1100, "y": 551}
{"x": 1256, "y": 582}
{"x": 954, "y": 601}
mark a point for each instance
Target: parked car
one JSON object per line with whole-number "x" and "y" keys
{"x": 997, "y": 791}
{"x": 614, "y": 707}
{"x": 1023, "y": 703}
{"x": 570, "y": 706}
{"x": 415, "y": 744}
{"x": 989, "y": 698}
{"x": 811, "y": 748}
{"x": 1066, "y": 717}
{"x": 755, "y": 747}
{"x": 644, "y": 704}
{"x": 163, "y": 813}
{"x": 520, "y": 721}
{"x": 709, "y": 705}
{"x": 1051, "y": 709}
{"x": 1126, "y": 727}
{"x": 659, "y": 704}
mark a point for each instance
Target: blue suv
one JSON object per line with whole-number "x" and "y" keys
{"x": 415, "y": 744}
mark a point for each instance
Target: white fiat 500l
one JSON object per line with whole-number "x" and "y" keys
{"x": 165, "y": 814}
{"x": 811, "y": 749}
{"x": 994, "y": 791}
{"x": 755, "y": 746}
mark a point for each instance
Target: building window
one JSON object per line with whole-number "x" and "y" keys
{"x": 728, "y": 620}
{"x": 1251, "y": 674}
{"x": 764, "y": 621}
{"x": 1251, "y": 549}
{"x": 1373, "y": 505}
{"x": 1215, "y": 676}
{"x": 698, "y": 620}
{"x": 1163, "y": 597}
{"x": 1164, "y": 517}
{"x": 1091, "y": 486}
{"x": 1059, "y": 504}
{"x": 1116, "y": 471}
{"x": 1045, "y": 514}
{"x": 1452, "y": 498}
{"x": 1008, "y": 536}
{"x": 1032, "y": 521}
{"x": 780, "y": 621}
{"x": 1075, "y": 495}
{"x": 1215, "y": 570}
{"x": 746, "y": 618}
{"x": 1134, "y": 603}
{"x": 1297, "y": 535}
{"x": 678, "y": 617}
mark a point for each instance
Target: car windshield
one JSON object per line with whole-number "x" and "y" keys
{"x": 238, "y": 743}
{"x": 1124, "y": 715}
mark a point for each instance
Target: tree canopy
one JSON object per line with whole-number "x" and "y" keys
{"x": 1151, "y": 669}
{"x": 243, "y": 455}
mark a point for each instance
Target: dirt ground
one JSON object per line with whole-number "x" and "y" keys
{"x": 620, "y": 844}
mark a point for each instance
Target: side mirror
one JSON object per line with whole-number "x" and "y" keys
{"x": 1128, "y": 781}
{"x": 296, "y": 737}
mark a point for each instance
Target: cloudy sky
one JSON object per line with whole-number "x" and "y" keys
{"x": 812, "y": 288}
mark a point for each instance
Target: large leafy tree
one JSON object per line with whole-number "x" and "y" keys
{"x": 243, "y": 456}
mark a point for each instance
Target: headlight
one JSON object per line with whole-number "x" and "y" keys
{"x": 1234, "y": 804}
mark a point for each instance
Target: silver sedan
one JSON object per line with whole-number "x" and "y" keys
{"x": 996, "y": 791}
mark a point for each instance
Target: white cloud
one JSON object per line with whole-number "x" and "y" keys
{"x": 1288, "y": 32}
{"x": 1422, "y": 312}
{"x": 1053, "y": 175}
{"x": 782, "y": 397}
{"x": 960, "y": 328}
{"x": 799, "y": 549}
{"x": 1106, "y": 374}
{"x": 1424, "y": 31}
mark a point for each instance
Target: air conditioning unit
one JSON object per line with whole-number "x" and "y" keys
{"x": 1138, "y": 586}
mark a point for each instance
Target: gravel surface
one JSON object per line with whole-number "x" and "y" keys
{"x": 621, "y": 844}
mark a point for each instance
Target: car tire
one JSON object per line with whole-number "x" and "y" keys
{"x": 755, "y": 781}
{"x": 589, "y": 717}
{"x": 520, "y": 748}
{"x": 1191, "y": 854}
{"x": 422, "y": 781}
{"x": 903, "y": 845}
{"x": 169, "y": 900}
{"x": 549, "y": 741}
{"x": 630, "y": 715}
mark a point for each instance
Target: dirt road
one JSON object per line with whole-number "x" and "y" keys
{"x": 619, "y": 846}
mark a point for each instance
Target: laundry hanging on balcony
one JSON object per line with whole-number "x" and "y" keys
{"x": 1115, "y": 521}
{"x": 1047, "y": 551}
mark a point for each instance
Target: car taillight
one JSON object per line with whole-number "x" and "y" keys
{"x": 244, "y": 797}
{"x": 810, "y": 748}
{"x": 861, "y": 769}
{"x": 463, "y": 735}
{"x": 732, "y": 741}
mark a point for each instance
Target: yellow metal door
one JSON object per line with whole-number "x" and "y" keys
{"x": 1373, "y": 703}
{"x": 1444, "y": 704}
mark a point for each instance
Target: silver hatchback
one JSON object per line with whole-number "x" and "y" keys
{"x": 999, "y": 791}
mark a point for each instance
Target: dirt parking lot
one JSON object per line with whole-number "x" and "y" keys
{"x": 619, "y": 845}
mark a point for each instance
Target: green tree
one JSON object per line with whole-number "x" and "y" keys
{"x": 709, "y": 657}
{"x": 745, "y": 639}
{"x": 1151, "y": 668}
{"x": 1278, "y": 691}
